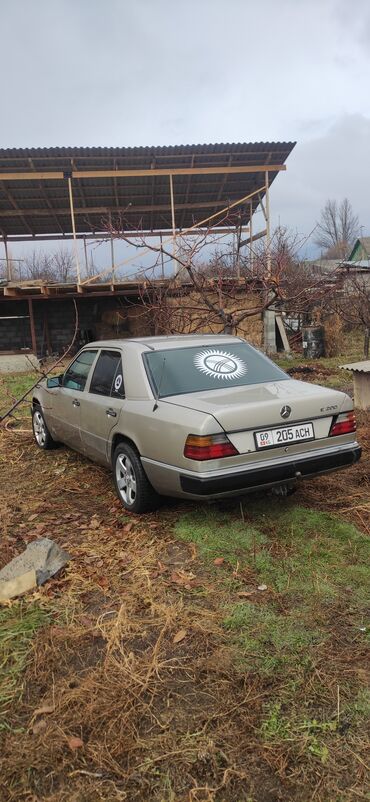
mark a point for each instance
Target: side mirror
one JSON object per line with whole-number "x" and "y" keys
{"x": 55, "y": 381}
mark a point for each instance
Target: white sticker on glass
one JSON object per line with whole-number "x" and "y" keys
{"x": 118, "y": 382}
{"x": 220, "y": 364}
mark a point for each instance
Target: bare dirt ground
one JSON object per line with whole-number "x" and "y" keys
{"x": 153, "y": 668}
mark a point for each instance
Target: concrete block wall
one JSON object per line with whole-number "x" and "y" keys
{"x": 105, "y": 318}
{"x": 15, "y": 334}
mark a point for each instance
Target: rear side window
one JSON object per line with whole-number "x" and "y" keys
{"x": 108, "y": 376}
{"x": 76, "y": 375}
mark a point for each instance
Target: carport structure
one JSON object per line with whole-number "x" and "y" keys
{"x": 84, "y": 193}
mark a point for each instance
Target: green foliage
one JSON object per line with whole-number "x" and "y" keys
{"x": 217, "y": 534}
{"x": 305, "y": 554}
{"x": 13, "y": 386}
{"x": 312, "y": 735}
{"x": 18, "y": 625}
{"x": 268, "y": 642}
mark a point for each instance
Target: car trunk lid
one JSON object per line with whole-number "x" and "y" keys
{"x": 260, "y": 405}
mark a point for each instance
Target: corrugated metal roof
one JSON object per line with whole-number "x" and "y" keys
{"x": 358, "y": 367}
{"x": 31, "y": 208}
{"x": 365, "y": 242}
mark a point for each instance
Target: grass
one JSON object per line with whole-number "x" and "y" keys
{"x": 316, "y": 568}
{"x": 301, "y": 553}
{"x": 13, "y": 386}
{"x": 269, "y": 642}
{"x": 18, "y": 626}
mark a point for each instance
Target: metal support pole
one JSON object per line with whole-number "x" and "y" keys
{"x": 112, "y": 256}
{"x": 238, "y": 237}
{"x": 32, "y": 326}
{"x": 8, "y": 262}
{"x": 251, "y": 236}
{"x": 86, "y": 260}
{"x": 162, "y": 260}
{"x": 173, "y": 223}
{"x": 74, "y": 231}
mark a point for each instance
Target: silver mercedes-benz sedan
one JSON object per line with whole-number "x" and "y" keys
{"x": 198, "y": 417}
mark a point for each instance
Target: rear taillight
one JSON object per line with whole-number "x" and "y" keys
{"x": 343, "y": 424}
{"x": 212, "y": 446}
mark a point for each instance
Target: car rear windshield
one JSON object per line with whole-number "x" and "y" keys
{"x": 191, "y": 370}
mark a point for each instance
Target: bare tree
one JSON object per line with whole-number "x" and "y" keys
{"x": 63, "y": 267}
{"x": 352, "y": 304}
{"x": 337, "y": 229}
{"x": 218, "y": 290}
{"x": 58, "y": 267}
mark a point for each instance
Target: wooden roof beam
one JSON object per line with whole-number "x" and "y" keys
{"x": 64, "y": 212}
{"x": 16, "y": 208}
{"x": 46, "y": 199}
{"x": 140, "y": 173}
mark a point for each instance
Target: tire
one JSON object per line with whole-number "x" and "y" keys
{"x": 41, "y": 432}
{"x": 136, "y": 495}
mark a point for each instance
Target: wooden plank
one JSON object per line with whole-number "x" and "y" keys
{"x": 140, "y": 173}
{"x": 283, "y": 335}
{"x": 81, "y": 210}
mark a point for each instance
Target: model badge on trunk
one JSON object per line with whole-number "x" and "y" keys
{"x": 285, "y": 411}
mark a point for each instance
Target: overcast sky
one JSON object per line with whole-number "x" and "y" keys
{"x": 161, "y": 72}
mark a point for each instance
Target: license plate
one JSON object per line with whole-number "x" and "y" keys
{"x": 285, "y": 435}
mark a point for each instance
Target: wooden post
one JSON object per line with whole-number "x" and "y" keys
{"x": 173, "y": 222}
{"x": 74, "y": 230}
{"x": 268, "y": 234}
{"x": 32, "y": 327}
{"x": 269, "y": 314}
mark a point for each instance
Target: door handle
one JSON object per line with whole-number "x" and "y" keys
{"x": 111, "y": 413}
{"x": 75, "y": 402}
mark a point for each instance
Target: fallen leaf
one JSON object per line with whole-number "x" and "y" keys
{"x": 74, "y": 742}
{"x": 219, "y": 561}
{"x": 128, "y": 527}
{"x": 94, "y": 523}
{"x": 86, "y": 621}
{"x": 44, "y": 709}
{"x": 245, "y": 593}
{"x": 39, "y": 726}
{"x": 180, "y": 635}
{"x": 183, "y": 579}
{"x": 32, "y": 517}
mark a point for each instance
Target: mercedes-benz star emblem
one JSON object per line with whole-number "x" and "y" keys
{"x": 285, "y": 411}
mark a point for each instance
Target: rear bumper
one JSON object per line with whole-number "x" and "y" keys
{"x": 269, "y": 474}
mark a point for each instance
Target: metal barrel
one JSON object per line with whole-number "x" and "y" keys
{"x": 313, "y": 342}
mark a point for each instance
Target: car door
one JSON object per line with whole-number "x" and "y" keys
{"x": 103, "y": 402}
{"x": 68, "y": 401}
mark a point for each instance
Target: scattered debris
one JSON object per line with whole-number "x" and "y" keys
{"x": 180, "y": 635}
{"x": 74, "y": 742}
{"x": 262, "y": 587}
{"x": 41, "y": 560}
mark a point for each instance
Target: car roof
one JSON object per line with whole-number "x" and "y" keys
{"x": 168, "y": 341}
